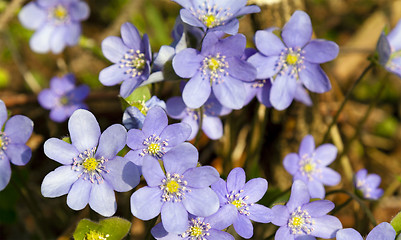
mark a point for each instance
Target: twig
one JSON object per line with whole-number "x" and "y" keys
{"x": 8, "y": 14}
{"x": 365, "y": 208}
{"x": 22, "y": 68}
{"x": 346, "y": 98}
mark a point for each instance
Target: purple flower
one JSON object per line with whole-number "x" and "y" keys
{"x": 215, "y": 15}
{"x": 310, "y": 166}
{"x": 295, "y": 59}
{"x": 14, "y": 133}
{"x": 368, "y": 184}
{"x": 239, "y": 198}
{"x": 301, "y": 219}
{"x": 181, "y": 189}
{"x": 200, "y": 228}
{"x": 91, "y": 171}
{"x": 212, "y": 125}
{"x": 261, "y": 87}
{"x": 57, "y": 23}
{"x": 389, "y": 49}
{"x": 134, "y": 116}
{"x": 63, "y": 97}
{"x": 383, "y": 231}
{"x": 219, "y": 67}
{"x": 156, "y": 137}
{"x": 131, "y": 56}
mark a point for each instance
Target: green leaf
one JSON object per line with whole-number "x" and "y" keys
{"x": 137, "y": 98}
{"x": 85, "y": 226}
{"x": 66, "y": 139}
{"x": 396, "y": 223}
{"x": 117, "y": 227}
{"x": 114, "y": 228}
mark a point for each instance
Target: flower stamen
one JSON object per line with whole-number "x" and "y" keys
{"x": 91, "y": 168}
{"x": 198, "y": 230}
{"x": 154, "y": 146}
{"x": 239, "y": 202}
{"x": 214, "y": 67}
{"x": 300, "y": 222}
{"x": 134, "y": 61}
{"x": 174, "y": 188}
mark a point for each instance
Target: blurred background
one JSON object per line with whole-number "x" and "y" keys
{"x": 367, "y": 133}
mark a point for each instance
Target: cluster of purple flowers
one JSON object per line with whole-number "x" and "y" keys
{"x": 193, "y": 202}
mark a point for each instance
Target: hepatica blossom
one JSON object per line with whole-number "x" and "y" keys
{"x": 301, "y": 219}
{"x": 310, "y": 166}
{"x": 156, "y": 137}
{"x": 63, "y": 97}
{"x": 131, "y": 56}
{"x": 57, "y": 23}
{"x": 215, "y": 15}
{"x": 212, "y": 125}
{"x": 238, "y": 198}
{"x": 134, "y": 116}
{"x": 219, "y": 67}
{"x": 383, "y": 231}
{"x": 389, "y": 49}
{"x": 183, "y": 188}
{"x": 91, "y": 171}
{"x": 14, "y": 133}
{"x": 296, "y": 58}
{"x": 368, "y": 184}
{"x": 260, "y": 88}
{"x": 200, "y": 228}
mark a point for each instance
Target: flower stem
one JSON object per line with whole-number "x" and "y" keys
{"x": 339, "y": 207}
{"x": 365, "y": 208}
{"x": 346, "y": 98}
{"x": 365, "y": 117}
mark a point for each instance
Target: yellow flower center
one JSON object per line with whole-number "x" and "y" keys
{"x": 213, "y": 64}
{"x": 90, "y": 164}
{"x": 209, "y": 20}
{"x": 309, "y": 167}
{"x": 139, "y": 62}
{"x": 63, "y": 100}
{"x": 297, "y": 221}
{"x": 238, "y": 203}
{"x": 60, "y": 12}
{"x": 172, "y": 186}
{"x": 154, "y": 148}
{"x": 93, "y": 235}
{"x": 292, "y": 59}
{"x": 196, "y": 231}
